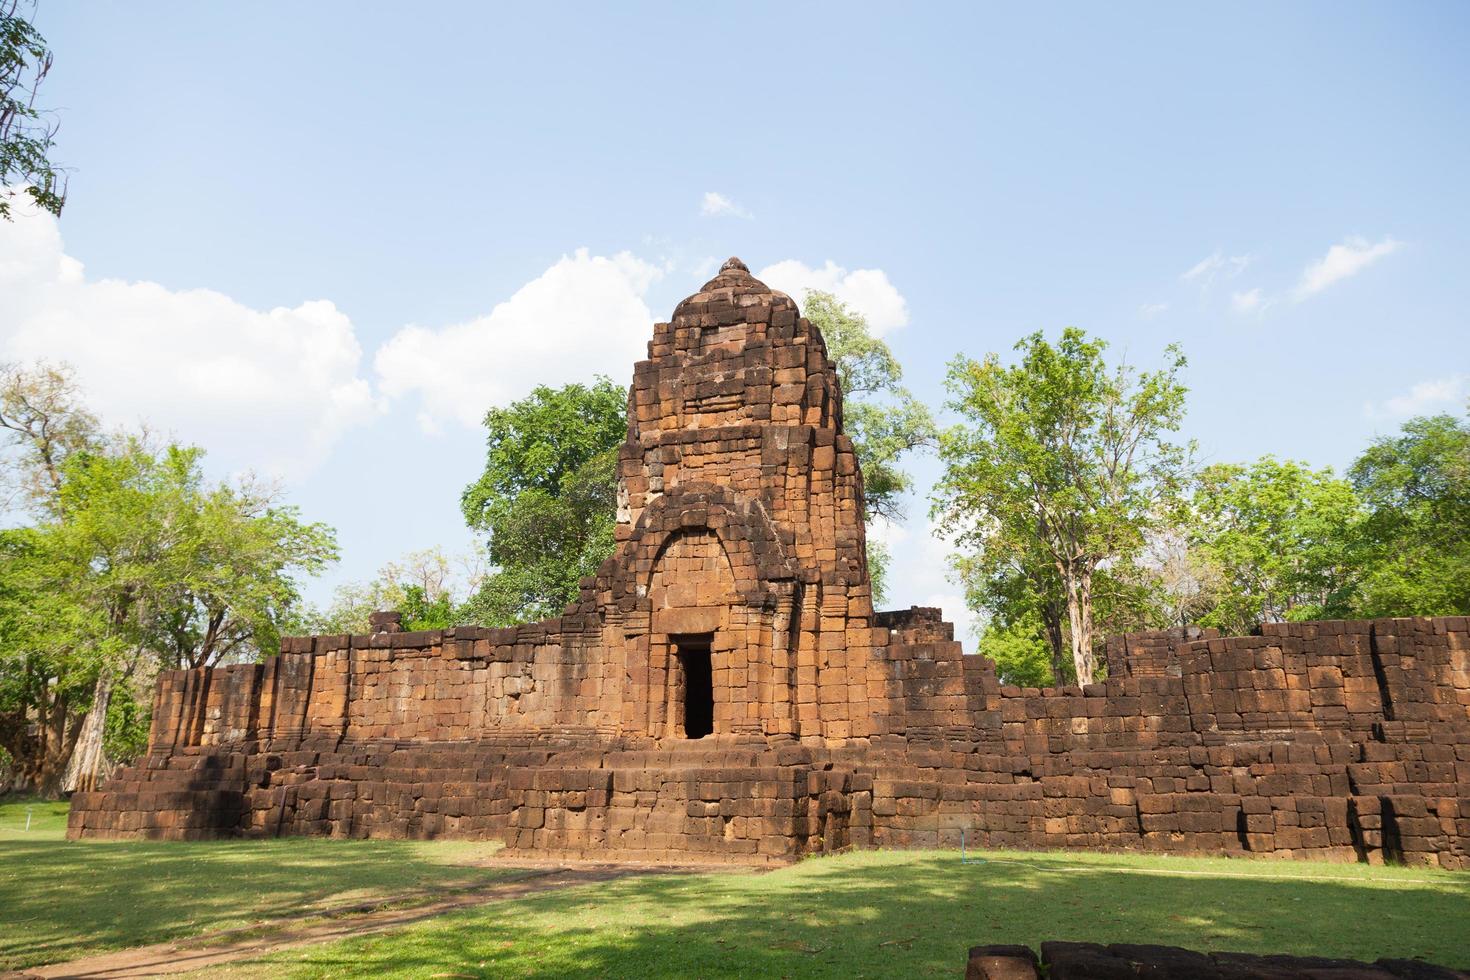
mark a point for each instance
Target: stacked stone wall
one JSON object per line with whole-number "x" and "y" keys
{"x": 1284, "y": 744}
{"x": 740, "y": 539}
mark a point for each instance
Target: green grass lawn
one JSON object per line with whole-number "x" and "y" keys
{"x": 32, "y": 820}
{"x": 871, "y": 914}
{"x": 63, "y": 899}
{"x": 884, "y": 914}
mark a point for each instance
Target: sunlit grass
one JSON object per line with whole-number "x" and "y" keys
{"x": 23, "y": 818}
{"x": 915, "y": 914}
{"x": 63, "y": 899}
{"x": 881, "y": 913}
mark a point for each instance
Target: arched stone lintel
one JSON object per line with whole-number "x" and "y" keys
{"x": 743, "y": 527}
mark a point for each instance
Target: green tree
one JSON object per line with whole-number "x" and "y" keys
{"x": 1414, "y": 543}
{"x": 1065, "y": 459}
{"x": 232, "y": 573}
{"x": 1279, "y": 535}
{"x": 1024, "y": 611}
{"x": 883, "y": 419}
{"x": 48, "y": 658}
{"x": 422, "y": 585}
{"x": 420, "y": 612}
{"x": 134, "y": 561}
{"x": 1022, "y": 655}
{"x": 1014, "y": 587}
{"x": 547, "y": 498}
{"x": 49, "y": 654}
{"x": 43, "y": 414}
{"x": 182, "y": 573}
{"x": 26, "y": 136}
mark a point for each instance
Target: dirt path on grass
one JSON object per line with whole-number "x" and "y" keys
{"x": 212, "y": 949}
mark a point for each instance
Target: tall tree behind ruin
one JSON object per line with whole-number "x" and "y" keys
{"x": 26, "y": 135}
{"x": 547, "y": 498}
{"x": 428, "y": 587}
{"x": 1413, "y": 545}
{"x": 1279, "y": 536}
{"x": 133, "y": 561}
{"x": 1064, "y": 456}
{"x": 46, "y": 421}
{"x": 47, "y": 674}
{"x": 885, "y": 421}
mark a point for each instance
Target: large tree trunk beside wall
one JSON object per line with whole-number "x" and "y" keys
{"x": 1051, "y": 619}
{"x": 1079, "y": 619}
{"x": 59, "y": 736}
{"x": 87, "y": 763}
{"x": 40, "y": 738}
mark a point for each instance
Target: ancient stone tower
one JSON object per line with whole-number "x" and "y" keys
{"x": 739, "y": 594}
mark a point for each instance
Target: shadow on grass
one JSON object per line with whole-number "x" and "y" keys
{"x": 60, "y": 900}
{"x": 891, "y": 914}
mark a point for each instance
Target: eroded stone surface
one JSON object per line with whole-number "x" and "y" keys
{"x": 1128, "y": 961}
{"x": 739, "y": 582}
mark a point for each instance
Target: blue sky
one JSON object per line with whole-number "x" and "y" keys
{"x": 319, "y": 239}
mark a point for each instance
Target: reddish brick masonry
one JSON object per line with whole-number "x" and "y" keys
{"x": 1091, "y": 961}
{"x": 738, "y": 604}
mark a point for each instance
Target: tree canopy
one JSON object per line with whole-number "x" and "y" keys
{"x": 133, "y": 562}
{"x": 1414, "y": 542}
{"x": 881, "y": 416}
{"x": 424, "y": 586}
{"x": 26, "y": 134}
{"x": 1279, "y": 535}
{"x": 1058, "y": 457}
{"x": 1061, "y": 466}
{"x": 547, "y": 498}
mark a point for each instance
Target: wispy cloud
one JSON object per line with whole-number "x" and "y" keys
{"x": 717, "y": 205}
{"x": 1218, "y": 266}
{"x": 1424, "y": 398}
{"x": 1249, "y": 301}
{"x": 1342, "y": 261}
{"x": 1149, "y": 310}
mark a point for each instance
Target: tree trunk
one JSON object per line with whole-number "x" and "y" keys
{"x": 1079, "y": 618}
{"x": 87, "y": 763}
{"x": 54, "y": 749}
{"x": 1051, "y": 621}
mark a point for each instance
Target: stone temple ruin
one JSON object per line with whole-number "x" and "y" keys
{"x": 724, "y": 690}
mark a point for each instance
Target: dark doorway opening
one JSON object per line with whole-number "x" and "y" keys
{"x": 699, "y": 689}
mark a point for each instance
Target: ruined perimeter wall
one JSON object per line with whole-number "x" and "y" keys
{"x": 738, "y": 603}
{"x": 1348, "y": 740}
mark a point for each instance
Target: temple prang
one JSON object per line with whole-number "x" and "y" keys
{"x": 724, "y": 689}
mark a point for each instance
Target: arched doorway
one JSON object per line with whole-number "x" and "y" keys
{"x": 690, "y": 592}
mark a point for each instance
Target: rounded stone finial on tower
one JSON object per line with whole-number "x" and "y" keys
{"x": 732, "y": 264}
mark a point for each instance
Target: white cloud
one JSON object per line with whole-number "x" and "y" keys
{"x": 1250, "y": 301}
{"x": 1207, "y": 270}
{"x": 890, "y": 534}
{"x": 1150, "y": 310}
{"x": 270, "y": 389}
{"x": 1424, "y": 398}
{"x": 867, "y": 291}
{"x": 585, "y": 315}
{"x": 717, "y": 205}
{"x": 1341, "y": 262}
